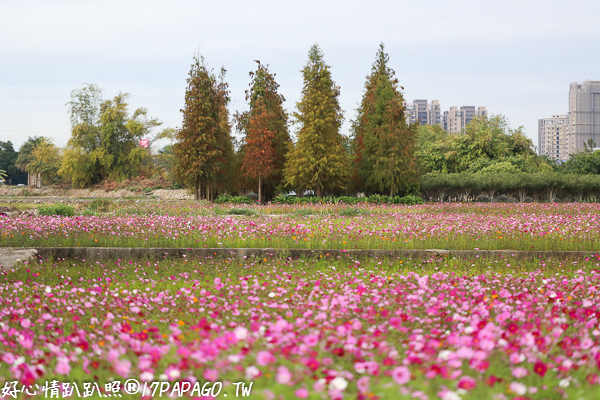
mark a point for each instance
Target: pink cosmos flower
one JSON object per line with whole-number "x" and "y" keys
{"x": 284, "y": 376}
{"x": 363, "y": 384}
{"x": 63, "y": 367}
{"x": 8, "y": 358}
{"x": 263, "y": 358}
{"x": 301, "y": 393}
{"x": 211, "y": 375}
{"x": 172, "y": 373}
{"x": 401, "y": 375}
{"x": 123, "y": 368}
{"x": 311, "y": 340}
{"x": 319, "y": 385}
{"x": 519, "y": 372}
{"x": 467, "y": 383}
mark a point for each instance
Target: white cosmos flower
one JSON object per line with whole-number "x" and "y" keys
{"x": 338, "y": 383}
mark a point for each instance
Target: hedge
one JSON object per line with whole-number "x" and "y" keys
{"x": 550, "y": 186}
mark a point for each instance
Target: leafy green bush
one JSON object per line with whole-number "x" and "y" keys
{"x": 284, "y": 199}
{"x": 241, "y": 200}
{"x": 350, "y": 200}
{"x": 252, "y": 196}
{"x": 378, "y": 199}
{"x": 223, "y": 198}
{"x": 63, "y": 210}
{"x": 541, "y": 185}
{"x": 241, "y": 211}
{"x": 408, "y": 200}
{"x": 351, "y": 212}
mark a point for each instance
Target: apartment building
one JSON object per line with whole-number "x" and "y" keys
{"x": 584, "y": 114}
{"x": 422, "y": 112}
{"x": 456, "y": 120}
{"x": 554, "y": 137}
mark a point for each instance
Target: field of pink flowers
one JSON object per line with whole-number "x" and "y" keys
{"x": 318, "y": 329}
{"x": 450, "y": 226}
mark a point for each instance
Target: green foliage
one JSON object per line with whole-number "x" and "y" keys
{"x": 378, "y": 199}
{"x": 513, "y": 164}
{"x": 304, "y": 212}
{"x": 241, "y": 211}
{"x": 318, "y": 160}
{"x": 542, "y": 186}
{"x": 408, "y": 200}
{"x": 62, "y": 210}
{"x": 227, "y": 198}
{"x": 223, "y": 198}
{"x": 503, "y": 167}
{"x": 204, "y": 148}
{"x": 45, "y": 159}
{"x": 284, "y": 199}
{"x": 384, "y": 144}
{"x": 351, "y": 212}
{"x": 25, "y": 152}
{"x": 104, "y": 138}
{"x": 8, "y": 158}
{"x": 582, "y": 163}
{"x": 101, "y": 205}
{"x": 484, "y": 139}
{"x": 166, "y": 160}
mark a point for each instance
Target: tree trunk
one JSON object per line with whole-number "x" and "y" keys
{"x": 197, "y": 194}
{"x": 319, "y": 191}
{"x": 260, "y": 200}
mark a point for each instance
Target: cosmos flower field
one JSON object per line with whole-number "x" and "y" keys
{"x": 327, "y": 328}
{"x": 572, "y": 226}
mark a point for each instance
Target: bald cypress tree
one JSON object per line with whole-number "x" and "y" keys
{"x": 265, "y": 128}
{"x": 318, "y": 160}
{"x": 384, "y": 144}
{"x": 204, "y": 147}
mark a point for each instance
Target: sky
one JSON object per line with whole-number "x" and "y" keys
{"x": 517, "y": 58}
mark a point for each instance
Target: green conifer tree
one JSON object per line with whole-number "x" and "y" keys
{"x": 384, "y": 144}
{"x": 204, "y": 147}
{"x": 318, "y": 160}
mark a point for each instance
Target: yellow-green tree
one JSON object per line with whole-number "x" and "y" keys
{"x": 45, "y": 161}
{"x": 318, "y": 160}
{"x": 104, "y": 138}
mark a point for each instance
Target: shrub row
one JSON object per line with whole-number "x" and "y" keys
{"x": 374, "y": 199}
{"x": 523, "y": 187}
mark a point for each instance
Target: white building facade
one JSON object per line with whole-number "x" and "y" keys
{"x": 554, "y": 137}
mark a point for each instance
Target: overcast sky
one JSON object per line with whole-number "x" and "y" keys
{"x": 517, "y": 58}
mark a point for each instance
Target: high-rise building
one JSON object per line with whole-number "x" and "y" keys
{"x": 456, "y": 120}
{"x": 584, "y": 114}
{"x": 422, "y": 112}
{"x": 554, "y": 137}
{"x": 434, "y": 113}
